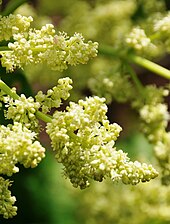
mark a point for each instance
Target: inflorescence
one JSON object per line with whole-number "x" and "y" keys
{"x": 84, "y": 142}
{"x": 33, "y": 46}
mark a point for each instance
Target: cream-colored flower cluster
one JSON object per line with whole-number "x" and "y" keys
{"x": 162, "y": 30}
{"x": 137, "y": 39}
{"x": 157, "y": 117}
{"x": 54, "y": 96}
{"x": 74, "y": 49}
{"x": 83, "y": 141}
{"x": 163, "y": 24}
{"x": 23, "y": 110}
{"x": 18, "y": 145}
{"x": 155, "y": 120}
{"x": 33, "y": 46}
{"x": 13, "y": 24}
{"x": 7, "y": 208}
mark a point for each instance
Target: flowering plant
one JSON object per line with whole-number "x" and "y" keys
{"x": 82, "y": 137}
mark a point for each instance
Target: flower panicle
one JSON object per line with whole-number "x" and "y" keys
{"x": 32, "y": 46}
{"x": 84, "y": 142}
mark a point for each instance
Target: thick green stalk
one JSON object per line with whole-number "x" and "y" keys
{"x": 151, "y": 66}
{"x": 15, "y": 96}
{"x": 145, "y": 63}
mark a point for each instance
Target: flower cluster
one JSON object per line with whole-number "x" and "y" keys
{"x": 23, "y": 110}
{"x": 138, "y": 41}
{"x": 155, "y": 118}
{"x": 151, "y": 95}
{"x": 112, "y": 85}
{"x": 162, "y": 25}
{"x": 54, "y": 96}
{"x": 13, "y": 24}
{"x": 45, "y": 46}
{"x": 74, "y": 49}
{"x": 161, "y": 28}
{"x": 18, "y": 145}
{"x": 6, "y": 200}
{"x": 84, "y": 142}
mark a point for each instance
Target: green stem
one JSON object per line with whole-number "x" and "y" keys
{"x": 15, "y": 96}
{"x": 12, "y": 6}
{"x": 43, "y": 117}
{"x": 8, "y": 90}
{"x": 4, "y": 48}
{"x": 151, "y": 66}
{"x": 135, "y": 79}
{"x": 108, "y": 51}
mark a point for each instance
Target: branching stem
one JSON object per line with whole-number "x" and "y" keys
{"x": 15, "y": 96}
{"x": 145, "y": 63}
{"x": 135, "y": 79}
